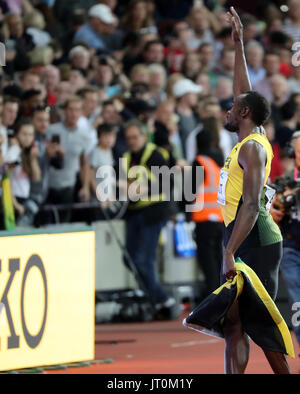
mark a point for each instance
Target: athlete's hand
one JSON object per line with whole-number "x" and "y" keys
{"x": 229, "y": 265}
{"x": 236, "y": 24}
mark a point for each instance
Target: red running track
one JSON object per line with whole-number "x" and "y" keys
{"x": 165, "y": 348}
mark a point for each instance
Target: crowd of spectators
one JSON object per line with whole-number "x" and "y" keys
{"x": 75, "y": 72}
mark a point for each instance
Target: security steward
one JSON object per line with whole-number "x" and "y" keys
{"x": 148, "y": 211}
{"x": 207, "y": 212}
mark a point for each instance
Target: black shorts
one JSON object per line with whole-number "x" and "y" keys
{"x": 265, "y": 261}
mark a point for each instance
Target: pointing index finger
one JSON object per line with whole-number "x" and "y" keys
{"x": 235, "y": 14}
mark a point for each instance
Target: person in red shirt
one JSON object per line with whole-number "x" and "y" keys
{"x": 276, "y": 166}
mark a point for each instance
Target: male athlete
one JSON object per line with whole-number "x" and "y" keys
{"x": 250, "y": 232}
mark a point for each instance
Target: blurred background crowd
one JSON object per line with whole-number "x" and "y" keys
{"x": 84, "y": 82}
{"x": 78, "y": 65}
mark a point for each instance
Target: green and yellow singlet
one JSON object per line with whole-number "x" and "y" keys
{"x": 265, "y": 231}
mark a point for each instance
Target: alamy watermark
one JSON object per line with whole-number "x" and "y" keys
{"x": 2, "y": 55}
{"x": 296, "y": 54}
{"x": 150, "y": 185}
{"x": 2, "y": 309}
{"x": 296, "y": 315}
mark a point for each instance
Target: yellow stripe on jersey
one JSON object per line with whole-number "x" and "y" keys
{"x": 234, "y": 185}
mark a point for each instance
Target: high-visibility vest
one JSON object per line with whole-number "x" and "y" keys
{"x": 211, "y": 210}
{"x": 153, "y": 199}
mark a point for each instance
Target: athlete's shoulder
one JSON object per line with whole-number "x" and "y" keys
{"x": 252, "y": 146}
{"x": 252, "y": 153}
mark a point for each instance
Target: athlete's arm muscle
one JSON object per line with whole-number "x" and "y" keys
{"x": 252, "y": 158}
{"x": 241, "y": 82}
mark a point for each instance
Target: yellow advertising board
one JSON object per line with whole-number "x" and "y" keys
{"x": 47, "y": 298}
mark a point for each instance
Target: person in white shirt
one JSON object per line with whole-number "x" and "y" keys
{"x": 9, "y": 115}
{"x": 91, "y": 109}
{"x": 271, "y": 64}
{"x": 291, "y": 25}
{"x": 201, "y": 28}
{"x": 74, "y": 164}
{"x": 100, "y": 160}
{"x": 254, "y": 55}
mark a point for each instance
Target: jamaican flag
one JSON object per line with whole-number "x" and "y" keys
{"x": 7, "y": 204}
{"x": 259, "y": 315}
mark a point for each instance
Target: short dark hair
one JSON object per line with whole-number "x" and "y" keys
{"x": 24, "y": 74}
{"x": 272, "y": 52}
{"x": 248, "y": 19}
{"x": 259, "y": 107}
{"x": 87, "y": 89}
{"x": 11, "y": 99}
{"x": 28, "y": 94}
{"x": 150, "y": 43}
{"x": 40, "y": 108}
{"x": 25, "y": 121}
{"x": 225, "y": 49}
{"x": 134, "y": 123}
{"x": 289, "y": 109}
{"x": 105, "y": 128}
{"x": 108, "y": 102}
{"x": 225, "y": 32}
{"x": 204, "y": 44}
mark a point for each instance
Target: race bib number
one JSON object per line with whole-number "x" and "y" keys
{"x": 269, "y": 195}
{"x": 222, "y": 187}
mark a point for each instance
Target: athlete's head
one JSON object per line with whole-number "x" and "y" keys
{"x": 252, "y": 106}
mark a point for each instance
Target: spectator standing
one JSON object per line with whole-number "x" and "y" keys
{"x": 186, "y": 93}
{"x": 166, "y": 132}
{"x": 191, "y": 65}
{"x": 294, "y": 80}
{"x": 100, "y": 157}
{"x": 24, "y": 167}
{"x": 208, "y": 219}
{"x": 100, "y": 30}
{"x": 153, "y": 52}
{"x": 9, "y": 115}
{"x": 30, "y": 80}
{"x": 157, "y": 83}
{"x": 145, "y": 219}
{"x": 250, "y": 29}
{"x": 288, "y": 124}
{"x": 137, "y": 19}
{"x": 276, "y": 166}
{"x": 91, "y": 109}
{"x": 271, "y": 65}
{"x": 51, "y": 78}
{"x": 225, "y": 65}
{"x": 74, "y": 144}
{"x": 80, "y": 57}
{"x": 114, "y": 113}
{"x": 290, "y": 226}
{"x": 291, "y": 24}
{"x": 108, "y": 76}
{"x": 18, "y": 45}
{"x": 201, "y": 21}
{"x": 210, "y": 107}
{"x": 280, "y": 94}
{"x": 254, "y": 56}
{"x": 40, "y": 118}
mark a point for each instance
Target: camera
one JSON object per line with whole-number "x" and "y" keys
{"x": 55, "y": 139}
{"x": 290, "y": 203}
{"x": 103, "y": 60}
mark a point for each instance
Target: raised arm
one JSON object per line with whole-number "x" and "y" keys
{"x": 241, "y": 82}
